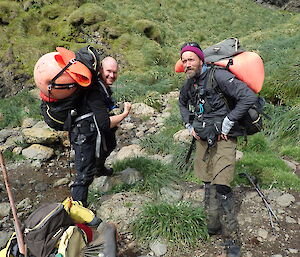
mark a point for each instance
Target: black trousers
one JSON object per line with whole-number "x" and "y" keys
{"x": 83, "y": 140}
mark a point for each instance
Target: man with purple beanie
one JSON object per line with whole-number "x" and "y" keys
{"x": 206, "y": 114}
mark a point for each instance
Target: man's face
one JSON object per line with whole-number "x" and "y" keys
{"x": 109, "y": 72}
{"x": 192, "y": 64}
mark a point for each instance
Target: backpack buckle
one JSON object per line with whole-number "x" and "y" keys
{"x": 73, "y": 61}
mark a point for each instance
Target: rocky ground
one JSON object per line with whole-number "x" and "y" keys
{"x": 259, "y": 240}
{"x": 36, "y": 182}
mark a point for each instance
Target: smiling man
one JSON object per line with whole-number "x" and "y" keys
{"x": 109, "y": 70}
{"x": 93, "y": 137}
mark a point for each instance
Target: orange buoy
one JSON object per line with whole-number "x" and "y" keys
{"x": 78, "y": 71}
{"x": 45, "y": 70}
{"x": 247, "y": 67}
{"x": 179, "y": 66}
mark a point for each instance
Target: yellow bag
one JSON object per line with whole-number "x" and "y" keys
{"x": 5, "y": 252}
{"x": 80, "y": 214}
{"x": 71, "y": 242}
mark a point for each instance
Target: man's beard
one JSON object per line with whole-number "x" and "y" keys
{"x": 192, "y": 73}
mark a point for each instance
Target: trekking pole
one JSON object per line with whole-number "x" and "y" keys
{"x": 261, "y": 194}
{"x": 21, "y": 245}
{"x": 188, "y": 156}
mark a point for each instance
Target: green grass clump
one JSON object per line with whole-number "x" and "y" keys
{"x": 155, "y": 174}
{"x": 182, "y": 225}
{"x": 87, "y": 14}
{"x": 269, "y": 170}
{"x": 15, "y": 109}
{"x": 283, "y": 131}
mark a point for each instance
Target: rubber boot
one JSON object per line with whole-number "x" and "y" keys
{"x": 206, "y": 195}
{"x": 230, "y": 225}
{"x": 213, "y": 212}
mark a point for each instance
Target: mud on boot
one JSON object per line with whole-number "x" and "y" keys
{"x": 213, "y": 212}
{"x": 230, "y": 225}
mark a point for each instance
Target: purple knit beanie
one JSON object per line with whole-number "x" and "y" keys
{"x": 193, "y": 49}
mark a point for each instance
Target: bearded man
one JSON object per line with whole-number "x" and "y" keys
{"x": 215, "y": 128}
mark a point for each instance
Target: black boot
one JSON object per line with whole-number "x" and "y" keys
{"x": 104, "y": 172}
{"x": 230, "y": 225}
{"x": 213, "y": 212}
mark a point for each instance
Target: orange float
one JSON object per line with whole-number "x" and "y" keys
{"x": 247, "y": 67}
{"x": 45, "y": 70}
{"x": 50, "y": 64}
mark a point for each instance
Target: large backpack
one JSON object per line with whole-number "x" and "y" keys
{"x": 59, "y": 113}
{"x": 44, "y": 227}
{"x": 246, "y": 66}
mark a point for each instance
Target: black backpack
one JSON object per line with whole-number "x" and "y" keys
{"x": 44, "y": 227}
{"x": 60, "y": 114}
{"x": 252, "y": 121}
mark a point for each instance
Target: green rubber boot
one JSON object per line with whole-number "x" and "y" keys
{"x": 230, "y": 225}
{"x": 213, "y": 212}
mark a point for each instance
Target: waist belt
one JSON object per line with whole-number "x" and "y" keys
{"x": 84, "y": 116}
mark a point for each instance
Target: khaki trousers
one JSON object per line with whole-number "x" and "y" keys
{"x": 219, "y": 164}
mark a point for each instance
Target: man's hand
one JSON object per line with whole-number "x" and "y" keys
{"x": 194, "y": 134}
{"x": 127, "y": 108}
{"x": 222, "y": 136}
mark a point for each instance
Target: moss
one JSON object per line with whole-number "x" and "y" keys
{"x": 87, "y": 14}
{"x": 52, "y": 12}
{"x": 149, "y": 29}
{"x": 8, "y": 12}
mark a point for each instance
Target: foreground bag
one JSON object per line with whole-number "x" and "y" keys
{"x": 44, "y": 227}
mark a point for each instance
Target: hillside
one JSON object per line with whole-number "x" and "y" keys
{"x": 146, "y": 36}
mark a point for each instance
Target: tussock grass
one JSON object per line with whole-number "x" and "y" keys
{"x": 155, "y": 174}
{"x": 14, "y": 110}
{"x": 180, "y": 224}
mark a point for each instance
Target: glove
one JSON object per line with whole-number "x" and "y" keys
{"x": 189, "y": 127}
{"x": 227, "y": 125}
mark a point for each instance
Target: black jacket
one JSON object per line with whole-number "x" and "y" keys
{"x": 240, "y": 95}
{"x": 95, "y": 99}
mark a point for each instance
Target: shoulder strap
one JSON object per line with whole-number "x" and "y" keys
{"x": 213, "y": 83}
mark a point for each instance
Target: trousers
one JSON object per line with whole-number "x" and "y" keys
{"x": 83, "y": 141}
{"x": 218, "y": 166}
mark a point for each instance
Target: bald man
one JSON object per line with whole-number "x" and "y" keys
{"x": 93, "y": 137}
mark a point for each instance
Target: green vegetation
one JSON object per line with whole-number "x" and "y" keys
{"x": 15, "y": 109}
{"x": 146, "y": 36}
{"x": 170, "y": 222}
{"x": 155, "y": 174}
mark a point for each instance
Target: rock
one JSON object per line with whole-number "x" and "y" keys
{"x": 292, "y": 165}
{"x": 61, "y": 182}
{"x": 285, "y": 200}
{"x": 239, "y": 155}
{"x": 170, "y": 194}
{"x": 28, "y": 122}
{"x": 182, "y": 136}
{"x": 290, "y": 220}
{"x": 127, "y": 126}
{"x": 38, "y": 152}
{"x": 130, "y": 176}
{"x": 4, "y": 209}
{"x": 141, "y": 110}
{"x": 262, "y": 233}
{"x": 158, "y": 247}
{"x": 24, "y": 204}
{"x": 122, "y": 209}
{"x": 40, "y": 136}
{"x": 4, "y": 236}
{"x": 129, "y": 151}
